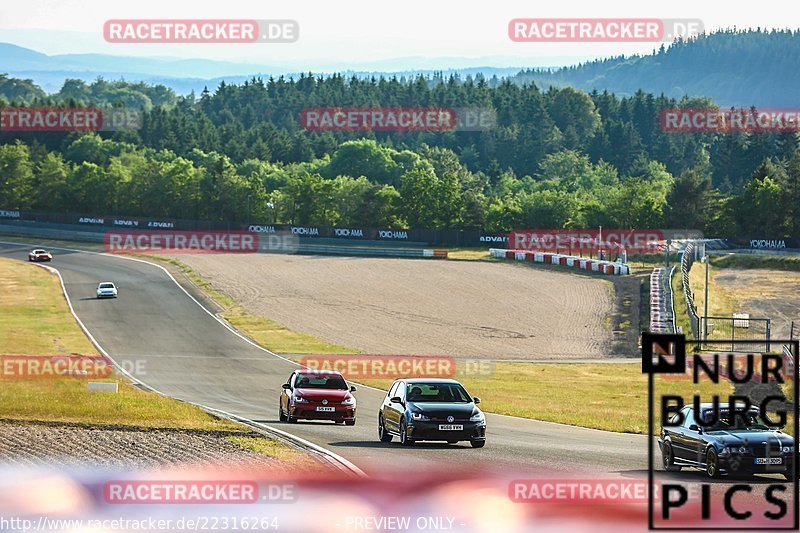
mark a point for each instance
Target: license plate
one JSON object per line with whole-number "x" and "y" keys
{"x": 450, "y": 427}
{"x": 326, "y": 409}
{"x": 769, "y": 460}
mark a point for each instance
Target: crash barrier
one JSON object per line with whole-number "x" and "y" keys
{"x": 582, "y": 263}
{"x": 323, "y": 234}
{"x": 662, "y": 319}
{"x": 35, "y": 231}
{"x": 687, "y": 260}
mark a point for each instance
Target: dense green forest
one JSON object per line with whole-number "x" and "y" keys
{"x": 734, "y": 67}
{"x": 556, "y": 158}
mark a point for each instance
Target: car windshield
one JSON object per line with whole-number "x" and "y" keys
{"x": 753, "y": 421}
{"x": 437, "y": 392}
{"x": 106, "y": 285}
{"x": 39, "y": 252}
{"x": 316, "y": 381}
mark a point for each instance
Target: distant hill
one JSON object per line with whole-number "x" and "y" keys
{"x": 734, "y": 67}
{"x": 186, "y": 75}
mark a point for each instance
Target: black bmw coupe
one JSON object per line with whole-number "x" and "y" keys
{"x": 746, "y": 445}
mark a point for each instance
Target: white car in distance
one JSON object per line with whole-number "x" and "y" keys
{"x": 106, "y": 289}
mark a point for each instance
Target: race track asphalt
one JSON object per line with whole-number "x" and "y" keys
{"x": 184, "y": 352}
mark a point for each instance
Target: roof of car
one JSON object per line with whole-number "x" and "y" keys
{"x": 710, "y": 405}
{"x": 320, "y": 372}
{"x": 429, "y": 380}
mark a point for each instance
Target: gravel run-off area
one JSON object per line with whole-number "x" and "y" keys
{"x": 763, "y": 293}
{"x": 423, "y": 307}
{"x": 122, "y": 448}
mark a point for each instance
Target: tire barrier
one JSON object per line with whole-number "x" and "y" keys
{"x": 592, "y": 265}
{"x": 662, "y": 319}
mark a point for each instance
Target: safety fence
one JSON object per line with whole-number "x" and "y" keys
{"x": 739, "y": 327}
{"x": 582, "y": 263}
{"x": 687, "y": 260}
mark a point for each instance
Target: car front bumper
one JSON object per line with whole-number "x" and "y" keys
{"x": 309, "y": 412}
{"x": 418, "y": 430}
{"x": 745, "y": 465}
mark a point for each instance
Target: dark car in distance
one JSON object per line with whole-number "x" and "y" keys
{"x": 316, "y": 395}
{"x": 746, "y": 445}
{"x": 431, "y": 409}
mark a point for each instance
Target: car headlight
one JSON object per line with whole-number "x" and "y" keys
{"x": 419, "y": 416}
{"x": 477, "y": 417}
{"x": 300, "y": 399}
{"x": 349, "y": 401}
{"x": 787, "y": 449}
{"x": 733, "y": 449}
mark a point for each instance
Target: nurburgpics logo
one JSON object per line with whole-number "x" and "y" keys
{"x": 726, "y": 417}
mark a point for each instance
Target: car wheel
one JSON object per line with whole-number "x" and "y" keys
{"x": 712, "y": 465}
{"x": 383, "y": 435}
{"x": 478, "y": 443}
{"x": 350, "y": 422}
{"x": 281, "y": 416}
{"x": 668, "y": 459}
{"x": 289, "y": 418}
{"x": 405, "y": 440}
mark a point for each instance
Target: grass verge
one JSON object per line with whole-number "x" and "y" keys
{"x": 772, "y": 262}
{"x": 721, "y": 302}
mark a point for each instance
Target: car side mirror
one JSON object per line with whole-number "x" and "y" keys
{"x": 352, "y": 388}
{"x": 396, "y": 399}
{"x": 287, "y": 386}
{"x": 695, "y": 427}
{"x": 476, "y": 400}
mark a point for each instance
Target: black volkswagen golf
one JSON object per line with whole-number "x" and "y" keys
{"x": 746, "y": 445}
{"x": 431, "y": 409}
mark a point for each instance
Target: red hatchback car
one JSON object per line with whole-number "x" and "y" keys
{"x": 315, "y": 395}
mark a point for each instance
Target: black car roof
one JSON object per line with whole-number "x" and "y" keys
{"x": 722, "y": 406}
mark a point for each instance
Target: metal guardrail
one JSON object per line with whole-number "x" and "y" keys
{"x": 671, "y": 299}
{"x": 687, "y": 260}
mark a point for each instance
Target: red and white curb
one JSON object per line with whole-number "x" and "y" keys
{"x": 582, "y": 263}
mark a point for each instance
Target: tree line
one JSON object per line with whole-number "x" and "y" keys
{"x": 556, "y": 158}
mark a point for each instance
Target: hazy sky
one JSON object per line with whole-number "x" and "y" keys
{"x": 359, "y": 31}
